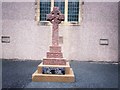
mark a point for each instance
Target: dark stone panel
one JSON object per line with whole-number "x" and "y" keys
{"x": 53, "y": 70}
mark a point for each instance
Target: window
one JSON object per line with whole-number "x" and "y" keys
{"x": 60, "y": 4}
{"x": 73, "y": 10}
{"x": 45, "y": 6}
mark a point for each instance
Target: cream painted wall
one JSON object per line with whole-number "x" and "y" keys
{"x": 29, "y": 41}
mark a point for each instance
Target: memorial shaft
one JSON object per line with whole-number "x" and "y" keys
{"x": 55, "y": 35}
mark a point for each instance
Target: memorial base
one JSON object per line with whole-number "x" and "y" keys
{"x": 38, "y": 76}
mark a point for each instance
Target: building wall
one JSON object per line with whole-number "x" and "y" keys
{"x": 0, "y": 45}
{"x": 29, "y": 41}
{"x": 0, "y": 29}
{"x": 119, "y": 31}
{"x": 100, "y": 21}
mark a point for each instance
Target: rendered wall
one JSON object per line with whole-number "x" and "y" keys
{"x": 29, "y": 41}
{"x": 119, "y": 31}
{"x": 0, "y": 45}
{"x": 0, "y": 29}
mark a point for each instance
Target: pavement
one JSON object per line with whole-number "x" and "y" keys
{"x": 18, "y": 74}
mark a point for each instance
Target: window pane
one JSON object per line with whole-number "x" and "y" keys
{"x": 45, "y": 6}
{"x": 73, "y": 10}
{"x": 60, "y": 4}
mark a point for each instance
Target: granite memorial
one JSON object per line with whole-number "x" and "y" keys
{"x": 54, "y": 67}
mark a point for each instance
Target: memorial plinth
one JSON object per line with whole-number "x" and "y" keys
{"x": 54, "y": 67}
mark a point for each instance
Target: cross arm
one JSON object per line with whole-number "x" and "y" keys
{"x": 49, "y": 17}
{"x": 61, "y": 17}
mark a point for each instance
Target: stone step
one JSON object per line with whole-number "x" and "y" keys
{"x": 54, "y": 55}
{"x": 55, "y": 49}
{"x": 37, "y": 77}
{"x": 54, "y": 61}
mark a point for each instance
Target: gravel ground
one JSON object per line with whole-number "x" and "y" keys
{"x": 17, "y": 74}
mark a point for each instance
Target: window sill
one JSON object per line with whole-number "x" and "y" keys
{"x": 47, "y": 23}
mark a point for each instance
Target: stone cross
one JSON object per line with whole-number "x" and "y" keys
{"x": 55, "y": 17}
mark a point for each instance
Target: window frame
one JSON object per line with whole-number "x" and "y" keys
{"x": 66, "y": 22}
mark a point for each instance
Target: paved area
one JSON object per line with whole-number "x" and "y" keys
{"x": 17, "y": 74}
